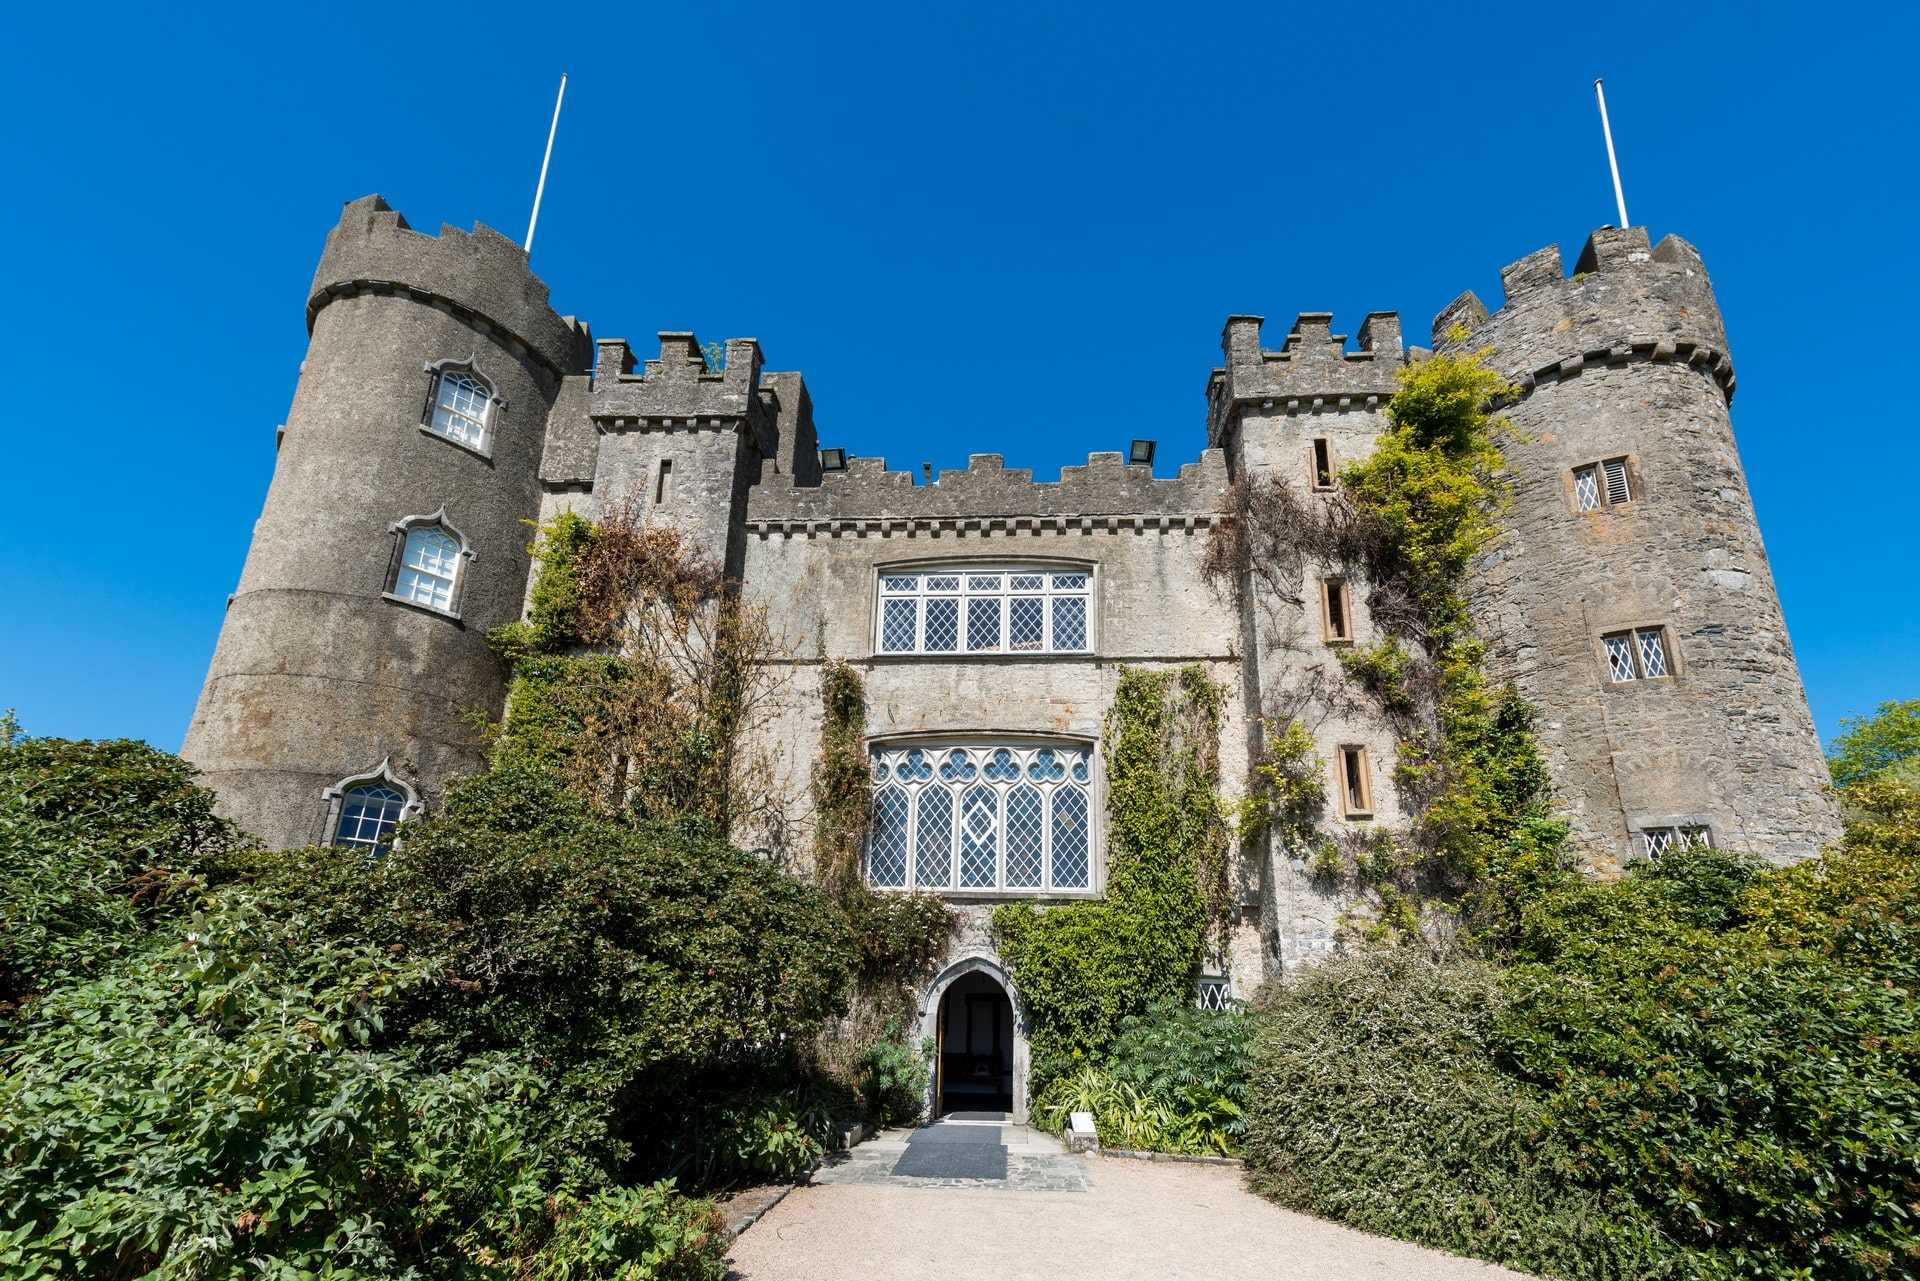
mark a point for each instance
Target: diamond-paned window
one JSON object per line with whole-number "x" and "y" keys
{"x": 1685, "y": 837}
{"x": 981, "y": 817}
{"x": 986, "y": 611}
{"x": 1586, "y": 489}
{"x": 1640, "y": 654}
{"x": 1214, "y": 993}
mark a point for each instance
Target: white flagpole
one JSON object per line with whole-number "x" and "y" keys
{"x": 1619, "y": 197}
{"x": 545, "y": 160}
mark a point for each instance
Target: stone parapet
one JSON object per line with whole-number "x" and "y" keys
{"x": 480, "y": 278}
{"x": 1107, "y": 485}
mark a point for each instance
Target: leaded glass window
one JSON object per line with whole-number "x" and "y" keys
{"x": 986, "y": 610}
{"x": 1586, "y": 489}
{"x": 461, "y": 403}
{"x": 429, "y": 568}
{"x": 1602, "y": 484}
{"x": 982, "y": 817}
{"x": 1684, "y": 837}
{"x": 368, "y": 813}
{"x": 1640, "y": 654}
{"x": 1215, "y": 993}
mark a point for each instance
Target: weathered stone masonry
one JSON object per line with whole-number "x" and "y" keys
{"x": 324, "y": 676}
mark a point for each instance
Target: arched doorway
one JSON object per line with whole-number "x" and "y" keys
{"x": 980, "y": 1043}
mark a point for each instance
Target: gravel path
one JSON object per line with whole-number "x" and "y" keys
{"x": 1128, "y": 1221}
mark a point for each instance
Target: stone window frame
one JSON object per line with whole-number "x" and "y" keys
{"x": 936, "y": 743}
{"x": 396, "y": 558}
{"x": 436, "y": 370}
{"x": 335, "y": 798}
{"x": 1669, "y": 651}
{"x": 1335, "y": 589}
{"x": 1316, "y": 448}
{"x": 1346, "y": 777}
{"x": 1630, "y": 477}
{"x": 1641, "y": 832}
{"x": 976, "y": 564}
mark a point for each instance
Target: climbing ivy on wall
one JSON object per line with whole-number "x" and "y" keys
{"x": 1410, "y": 520}
{"x": 1081, "y": 968}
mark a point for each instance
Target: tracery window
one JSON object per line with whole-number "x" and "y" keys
{"x": 368, "y": 814}
{"x": 460, "y": 405}
{"x": 429, "y": 568}
{"x": 986, "y": 609}
{"x": 981, "y": 818}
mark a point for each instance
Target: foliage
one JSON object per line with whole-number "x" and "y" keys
{"x": 1081, "y": 968}
{"x": 1378, "y": 1100}
{"x": 900, "y": 937}
{"x": 95, "y": 838}
{"x": 1174, "y": 1080}
{"x": 647, "y": 969}
{"x": 632, "y": 1234}
{"x": 641, "y": 674}
{"x": 1868, "y": 746}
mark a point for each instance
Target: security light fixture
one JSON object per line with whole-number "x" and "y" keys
{"x": 1142, "y": 452}
{"x": 833, "y": 460}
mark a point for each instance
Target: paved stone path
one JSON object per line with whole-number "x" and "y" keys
{"x": 961, "y": 1202}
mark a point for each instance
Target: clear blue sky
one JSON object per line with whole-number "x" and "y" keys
{"x": 976, "y": 228}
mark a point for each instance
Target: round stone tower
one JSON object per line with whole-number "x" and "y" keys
{"x": 1631, "y": 600}
{"x": 392, "y": 534}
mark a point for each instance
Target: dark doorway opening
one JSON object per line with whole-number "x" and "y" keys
{"x": 976, "y": 1047}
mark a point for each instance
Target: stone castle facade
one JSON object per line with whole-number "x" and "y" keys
{"x": 443, "y": 403}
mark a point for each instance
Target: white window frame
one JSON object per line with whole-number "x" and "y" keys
{"x": 1610, "y": 479}
{"x": 1028, "y": 757}
{"x": 928, "y": 585}
{"x": 1657, "y": 838}
{"x": 402, "y": 531}
{"x": 441, "y": 371}
{"x": 335, "y": 798}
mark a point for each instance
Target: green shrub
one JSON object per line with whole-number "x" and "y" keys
{"x": 1378, "y": 1100}
{"x": 1174, "y": 1080}
{"x": 893, "y": 1078}
{"x": 632, "y": 1234}
{"x": 93, "y": 839}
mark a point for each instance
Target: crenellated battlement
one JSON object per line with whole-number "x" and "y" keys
{"x": 1106, "y": 486}
{"x": 1624, "y": 302}
{"x": 1313, "y": 370}
{"x": 480, "y": 277}
{"x": 680, "y": 391}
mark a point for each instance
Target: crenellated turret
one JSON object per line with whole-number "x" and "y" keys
{"x": 391, "y": 538}
{"x": 1631, "y": 599}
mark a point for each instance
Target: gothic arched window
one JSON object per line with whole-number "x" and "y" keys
{"x": 461, "y": 404}
{"x": 364, "y": 809}
{"x": 429, "y": 559}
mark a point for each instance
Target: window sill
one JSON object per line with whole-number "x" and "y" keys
{"x": 1357, "y": 816}
{"x": 995, "y": 896}
{"x": 952, "y": 655}
{"x": 478, "y": 451}
{"x": 447, "y": 614}
{"x": 1334, "y": 642}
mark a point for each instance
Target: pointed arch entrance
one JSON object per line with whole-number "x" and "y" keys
{"x": 980, "y": 1041}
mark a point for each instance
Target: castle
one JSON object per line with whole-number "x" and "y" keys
{"x": 443, "y": 404}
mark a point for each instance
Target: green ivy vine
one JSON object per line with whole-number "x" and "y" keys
{"x": 1081, "y": 968}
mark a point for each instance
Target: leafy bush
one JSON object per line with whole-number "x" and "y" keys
{"x": 1378, "y": 1100}
{"x": 93, "y": 837}
{"x": 893, "y": 1078}
{"x": 632, "y": 1234}
{"x": 653, "y": 975}
{"x": 1174, "y": 1080}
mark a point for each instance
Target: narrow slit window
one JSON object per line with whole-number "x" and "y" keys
{"x": 1322, "y": 463}
{"x": 1637, "y": 655}
{"x": 1356, "y": 784}
{"x": 1338, "y": 617}
{"x": 663, "y": 483}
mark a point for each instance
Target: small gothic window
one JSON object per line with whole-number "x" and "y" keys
{"x": 368, "y": 814}
{"x": 1356, "y": 782}
{"x": 1322, "y": 463}
{"x": 1337, "y": 617}
{"x": 1601, "y": 485}
{"x": 1640, "y": 654}
{"x": 462, "y": 407}
{"x": 429, "y": 568}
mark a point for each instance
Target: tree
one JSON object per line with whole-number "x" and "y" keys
{"x": 1869, "y": 746}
